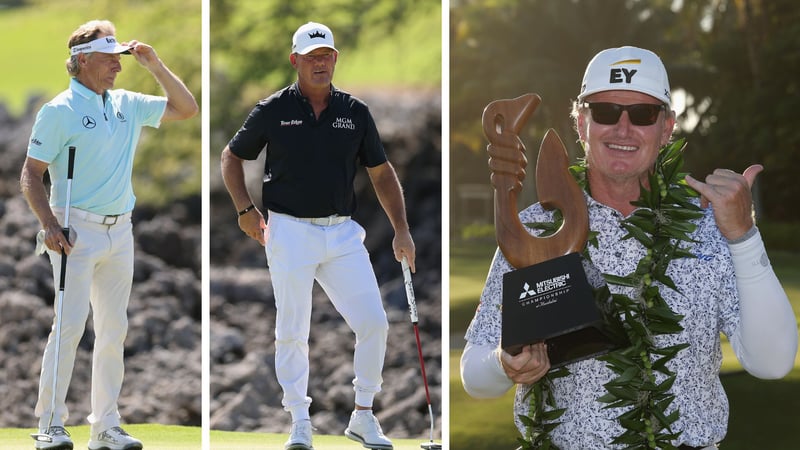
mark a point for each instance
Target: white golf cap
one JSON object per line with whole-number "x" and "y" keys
{"x": 626, "y": 69}
{"x": 311, "y": 36}
{"x": 105, "y": 44}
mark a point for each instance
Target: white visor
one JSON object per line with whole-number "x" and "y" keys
{"x": 105, "y": 44}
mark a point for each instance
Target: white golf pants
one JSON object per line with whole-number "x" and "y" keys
{"x": 99, "y": 273}
{"x": 299, "y": 253}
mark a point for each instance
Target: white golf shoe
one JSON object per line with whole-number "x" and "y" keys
{"x": 53, "y": 438}
{"x": 114, "y": 438}
{"x": 364, "y": 428}
{"x": 300, "y": 436}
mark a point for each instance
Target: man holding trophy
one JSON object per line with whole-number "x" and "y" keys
{"x": 623, "y": 117}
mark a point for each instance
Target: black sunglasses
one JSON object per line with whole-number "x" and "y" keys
{"x": 640, "y": 114}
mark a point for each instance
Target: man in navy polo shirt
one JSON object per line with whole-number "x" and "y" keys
{"x": 104, "y": 125}
{"x": 316, "y": 137}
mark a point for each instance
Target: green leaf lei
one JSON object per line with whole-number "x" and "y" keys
{"x": 661, "y": 224}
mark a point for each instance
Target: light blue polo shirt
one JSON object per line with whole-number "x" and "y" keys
{"x": 104, "y": 135}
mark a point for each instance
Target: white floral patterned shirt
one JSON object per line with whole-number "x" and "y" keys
{"x": 708, "y": 300}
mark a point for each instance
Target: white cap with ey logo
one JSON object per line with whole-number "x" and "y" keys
{"x": 311, "y": 36}
{"x": 105, "y": 44}
{"x": 626, "y": 69}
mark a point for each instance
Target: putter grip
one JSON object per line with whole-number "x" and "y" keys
{"x": 407, "y": 280}
{"x": 71, "y": 162}
{"x": 412, "y": 301}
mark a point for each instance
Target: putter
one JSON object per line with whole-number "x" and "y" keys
{"x": 44, "y": 437}
{"x": 412, "y": 306}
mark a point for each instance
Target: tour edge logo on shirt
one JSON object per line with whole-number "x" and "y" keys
{"x": 344, "y": 122}
{"x": 291, "y": 123}
{"x": 545, "y": 292}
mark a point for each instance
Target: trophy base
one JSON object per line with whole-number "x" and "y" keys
{"x": 573, "y": 346}
{"x": 553, "y": 302}
{"x": 577, "y": 346}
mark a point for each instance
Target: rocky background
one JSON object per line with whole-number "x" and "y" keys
{"x": 163, "y": 348}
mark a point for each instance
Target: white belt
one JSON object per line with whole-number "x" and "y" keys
{"x": 86, "y": 216}
{"x": 324, "y": 221}
{"x": 320, "y": 221}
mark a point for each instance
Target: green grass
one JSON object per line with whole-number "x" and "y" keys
{"x": 35, "y": 50}
{"x": 411, "y": 58}
{"x": 469, "y": 265}
{"x": 38, "y": 66}
{"x": 172, "y": 437}
{"x": 45, "y": 50}
{"x": 479, "y": 424}
{"x": 229, "y": 440}
{"x": 763, "y": 413}
{"x": 161, "y": 437}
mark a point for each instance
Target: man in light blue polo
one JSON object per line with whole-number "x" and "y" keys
{"x": 104, "y": 126}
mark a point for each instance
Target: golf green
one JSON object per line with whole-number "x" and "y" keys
{"x": 172, "y": 437}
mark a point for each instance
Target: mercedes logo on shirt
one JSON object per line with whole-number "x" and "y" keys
{"x": 88, "y": 122}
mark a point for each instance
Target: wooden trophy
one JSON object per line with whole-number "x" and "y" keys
{"x": 547, "y": 298}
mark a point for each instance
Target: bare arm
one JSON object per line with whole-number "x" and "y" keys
{"x": 32, "y": 185}
{"x": 180, "y": 101}
{"x": 390, "y": 195}
{"x": 252, "y": 222}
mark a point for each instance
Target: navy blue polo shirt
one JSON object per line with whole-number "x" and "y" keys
{"x": 311, "y": 163}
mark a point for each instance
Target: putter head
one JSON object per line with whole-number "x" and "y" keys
{"x": 431, "y": 446}
{"x": 41, "y": 437}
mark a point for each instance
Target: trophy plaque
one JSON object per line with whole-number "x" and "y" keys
{"x": 547, "y": 298}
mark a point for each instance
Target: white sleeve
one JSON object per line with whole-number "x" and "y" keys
{"x": 481, "y": 373}
{"x": 766, "y": 340}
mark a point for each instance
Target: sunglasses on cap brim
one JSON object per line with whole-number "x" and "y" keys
{"x": 640, "y": 114}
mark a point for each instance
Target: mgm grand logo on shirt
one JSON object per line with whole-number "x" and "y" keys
{"x": 545, "y": 292}
{"x": 344, "y": 122}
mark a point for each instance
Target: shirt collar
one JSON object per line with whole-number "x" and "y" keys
{"x": 592, "y": 203}
{"x": 602, "y": 207}
{"x": 82, "y": 90}
{"x": 296, "y": 88}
